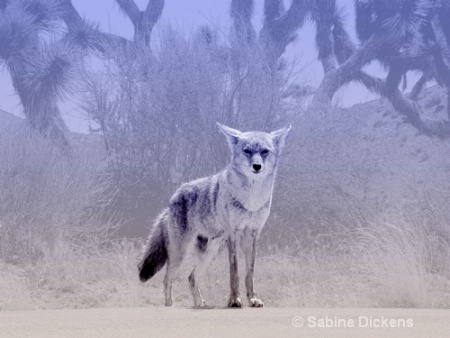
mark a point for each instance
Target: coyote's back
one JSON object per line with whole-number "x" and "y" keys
{"x": 205, "y": 214}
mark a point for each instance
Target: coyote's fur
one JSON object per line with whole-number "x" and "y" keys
{"x": 229, "y": 207}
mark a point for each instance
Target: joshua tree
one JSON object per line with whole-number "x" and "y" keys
{"x": 403, "y": 35}
{"x": 41, "y": 71}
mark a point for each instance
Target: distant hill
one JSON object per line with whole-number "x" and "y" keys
{"x": 363, "y": 160}
{"x": 9, "y": 120}
{"x": 88, "y": 141}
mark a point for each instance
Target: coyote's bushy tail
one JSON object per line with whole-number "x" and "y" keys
{"x": 155, "y": 254}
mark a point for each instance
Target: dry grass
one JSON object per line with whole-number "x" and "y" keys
{"x": 14, "y": 289}
{"x": 383, "y": 265}
{"x": 48, "y": 200}
{"x": 407, "y": 265}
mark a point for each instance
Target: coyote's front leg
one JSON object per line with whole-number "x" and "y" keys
{"x": 249, "y": 242}
{"x": 234, "y": 301}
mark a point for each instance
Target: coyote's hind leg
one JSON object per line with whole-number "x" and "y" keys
{"x": 206, "y": 249}
{"x": 176, "y": 255}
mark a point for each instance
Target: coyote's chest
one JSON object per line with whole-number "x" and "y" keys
{"x": 241, "y": 218}
{"x": 249, "y": 207}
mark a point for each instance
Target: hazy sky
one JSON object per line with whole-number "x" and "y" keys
{"x": 187, "y": 15}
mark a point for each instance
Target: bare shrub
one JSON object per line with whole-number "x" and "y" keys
{"x": 47, "y": 202}
{"x": 159, "y": 118}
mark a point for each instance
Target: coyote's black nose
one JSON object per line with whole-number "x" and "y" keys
{"x": 257, "y": 167}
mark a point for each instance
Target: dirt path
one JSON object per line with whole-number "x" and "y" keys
{"x": 246, "y": 322}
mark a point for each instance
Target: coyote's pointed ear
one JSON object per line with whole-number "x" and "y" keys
{"x": 279, "y": 136}
{"x": 232, "y": 135}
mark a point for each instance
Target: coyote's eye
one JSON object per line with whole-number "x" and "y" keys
{"x": 246, "y": 151}
{"x": 264, "y": 152}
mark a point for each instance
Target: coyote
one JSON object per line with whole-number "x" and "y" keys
{"x": 229, "y": 207}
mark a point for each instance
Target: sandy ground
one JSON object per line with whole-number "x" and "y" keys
{"x": 246, "y": 322}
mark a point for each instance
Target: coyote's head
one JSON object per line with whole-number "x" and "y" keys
{"x": 255, "y": 153}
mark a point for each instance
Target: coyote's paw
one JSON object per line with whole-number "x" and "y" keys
{"x": 201, "y": 305}
{"x": 255, "y": 302}
{"x": 235, "y": 302}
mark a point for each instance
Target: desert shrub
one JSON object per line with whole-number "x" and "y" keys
{"x": 158, "y": 115}
{"x": 49, "y": 202}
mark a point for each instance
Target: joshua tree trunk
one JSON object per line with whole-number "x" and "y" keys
{"x": 143, "y": 21}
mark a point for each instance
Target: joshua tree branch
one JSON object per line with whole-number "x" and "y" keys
{"x": 323, "y": 13}
{"x": 345, "y": 73}
{"x": 103, "y": 41}
{"x": 143, "y": 21}
{"x": 130, "y": 9}
{"x": 241, "y": 12}
{"x": 154, "y": 10}
{"x": 417, "y": 89}
{"x": 343, "y": 46}
{"x": 277, "y": 32}
{"x": 406, "y": 107}
{"x": 351, "y": 60}
{"x": 273, "y": 9}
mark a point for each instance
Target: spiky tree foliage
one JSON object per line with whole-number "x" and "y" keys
{"x": 40, "y": 70}
{"x": 88, "y": 36}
